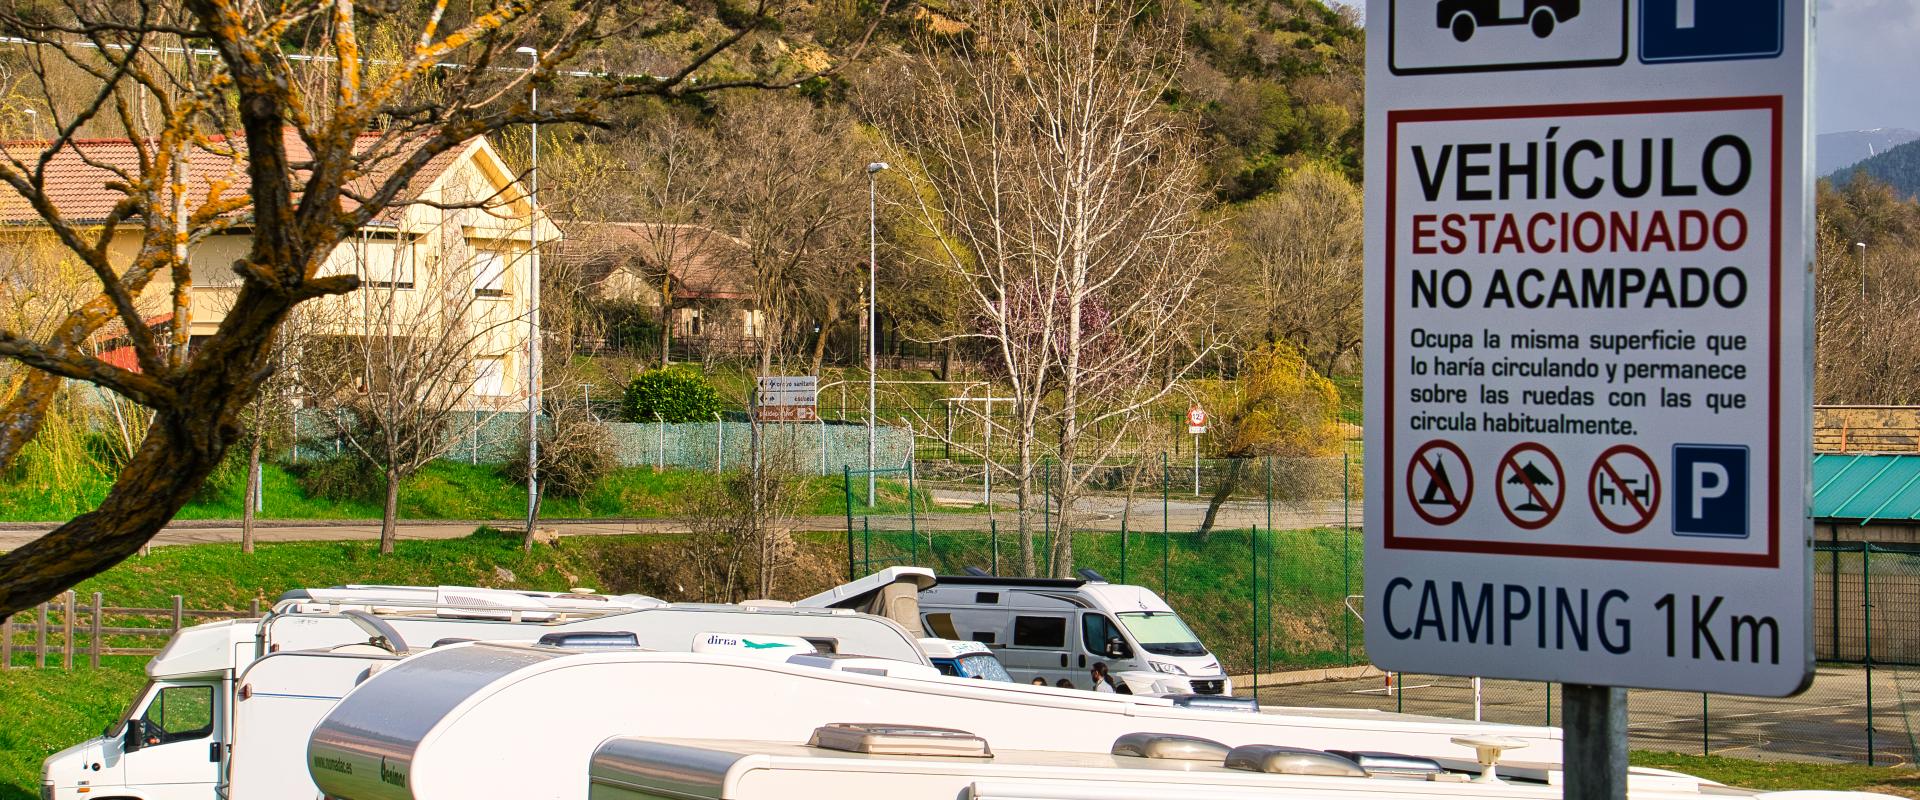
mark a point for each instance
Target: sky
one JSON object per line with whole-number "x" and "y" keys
{"x": 1867, "y": 64}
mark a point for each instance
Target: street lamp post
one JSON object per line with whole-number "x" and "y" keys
{"x": 873, "y": 287}
{"x": 1862, "y": 247}
{"x": 533, "y": 307}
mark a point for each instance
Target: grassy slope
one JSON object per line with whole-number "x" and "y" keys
{"x": 443, "y": 490}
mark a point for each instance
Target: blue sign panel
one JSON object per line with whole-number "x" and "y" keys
{"x": 1710, "y": 490}
{"x": 1711, "y": 30}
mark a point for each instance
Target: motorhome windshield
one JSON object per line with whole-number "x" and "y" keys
{"x": 1162, "y": 633}
{"x": 983, "y": 666}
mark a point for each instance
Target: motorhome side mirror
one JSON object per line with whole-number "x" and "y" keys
{"x": 1117, "y": 648}
{"x": 134, "y": 737}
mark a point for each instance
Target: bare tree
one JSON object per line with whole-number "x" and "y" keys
{"x": 1065, "y": 195}
{"x": 317, "y": 138}
{"x": 427, "y": 343}
{"x": 791, "y": 191}
{"x": 1295, "y": 267}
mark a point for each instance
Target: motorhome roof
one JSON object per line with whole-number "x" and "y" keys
{"x": 854, "y": 593}
{"x": 990, "y": 580}
{"x": 709, "y": 768}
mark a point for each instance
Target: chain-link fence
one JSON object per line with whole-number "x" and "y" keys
{"x": 1263, "y": 558}
{"x": 488, "y": 437}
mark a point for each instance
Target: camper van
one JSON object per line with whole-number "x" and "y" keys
{"x": 1058, "y": 629}
{"x": 229, "y": 704}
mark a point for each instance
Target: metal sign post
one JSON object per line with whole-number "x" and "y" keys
{"x": 1196, "y": 425}
{"x": 1588, "y": 351}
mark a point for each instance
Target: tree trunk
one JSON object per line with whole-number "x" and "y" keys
{"x": 1024, "y": 507}
{"x": 251, "y": 496}
{"x": 1220, "y": 496}
{"x": 390, "y": 512}
{"x": 820, "y": 342}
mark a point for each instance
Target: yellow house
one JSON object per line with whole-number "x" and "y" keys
{"x": 449, "y": 263}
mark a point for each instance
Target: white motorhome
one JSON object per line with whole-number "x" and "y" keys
{"x": 489, "y": 719}
{"x": 894, "y": 593}
{"x": 899, "y": 762}
{"x": 229, "y": 704}
{"x": 1058, "y": 629}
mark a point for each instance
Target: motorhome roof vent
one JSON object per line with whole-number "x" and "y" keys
{"x": 1090, "y": 575}
{"x": 1216, "y": 702}
{"x": 591, "y": 640}
{"x": 1379, "y": 763}
{"x": 1170, "y": 746}
{"x": 450, "y": 640}
{"x": 976, "y": 572}
{"x": 899, "y": 740}
{"x": 1282, "y": 760}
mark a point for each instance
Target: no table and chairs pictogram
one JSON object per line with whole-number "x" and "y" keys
{"x": 1531, "y": 486}
{"x": 1439, "y": 482}
{"x": 1624, "y": 489}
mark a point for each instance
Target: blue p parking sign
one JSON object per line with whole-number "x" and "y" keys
{"x": 1710, "y": 490}
{"x": 1711, "y": 30}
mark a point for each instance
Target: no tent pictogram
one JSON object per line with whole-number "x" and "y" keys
{"x": 1624, "y": 489}
{"x": 1531, "y": 485}
{"x": 1439, "y": 482}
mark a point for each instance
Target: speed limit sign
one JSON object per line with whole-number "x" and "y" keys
{"x": 1196, "y": 419}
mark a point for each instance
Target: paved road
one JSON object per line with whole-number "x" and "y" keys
{"x": 1098, "y": 513}
{"x": 1827, "y": 723}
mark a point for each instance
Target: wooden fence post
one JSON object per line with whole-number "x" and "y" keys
{"x": 255, "y": 609}
{"x": 179, "y": 613}
{"x": 66, "y": 633}
{"x": 6, "y": 642}
{"x": 40, "y": 637}
{"x": 93, "y": 635}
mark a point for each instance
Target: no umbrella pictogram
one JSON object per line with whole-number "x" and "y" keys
{"x": 1439, "y": 482}
{"x": 1531, "y": 486}
{"x": 1624, "y": 489}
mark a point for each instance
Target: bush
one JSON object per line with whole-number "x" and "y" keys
{"x": 672, "y": 394}
{"x": 576, "y": 453}
{"x": 343, "y": 477}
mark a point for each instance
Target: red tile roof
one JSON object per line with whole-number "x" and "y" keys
{"x": 79, "y": 176}
{"x": 706, "y": 264}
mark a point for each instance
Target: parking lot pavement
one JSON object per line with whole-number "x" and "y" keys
{"x": 1827, "y": 723}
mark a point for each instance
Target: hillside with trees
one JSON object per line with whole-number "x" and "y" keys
{"x": 1898, "y": 168}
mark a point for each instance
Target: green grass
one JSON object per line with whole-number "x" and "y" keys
{"x": 1776, "y": 775}
{"x": 44, "y": 711}
{"x": 441, "y": 490}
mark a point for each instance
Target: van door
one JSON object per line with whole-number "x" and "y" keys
{"x": 1038, "y": 648}
{"x": 180, "y": 752}
{"x": 1101, "y": 641}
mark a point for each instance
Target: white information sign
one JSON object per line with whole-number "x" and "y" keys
{"x": 785, "y": 398}
{"x": 1588, "y": 341}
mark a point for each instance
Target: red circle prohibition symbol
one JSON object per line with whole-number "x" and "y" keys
{"x": 1608, "y": 483}
{"x": 1440, "y": 492}
{"x": 1536, "y": 495}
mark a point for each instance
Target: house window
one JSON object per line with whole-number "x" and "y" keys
{"x": 490, "y": 376}
{"x": 490, "y": 273}
{"x": 750, "y": 326}
{"x": 386, "y": 263}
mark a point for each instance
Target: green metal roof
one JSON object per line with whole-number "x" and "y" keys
{"x": 1868, "y": 488}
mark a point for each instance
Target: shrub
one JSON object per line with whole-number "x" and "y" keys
{"x": 674, "y": 394}
{"x": 343, "y": 477}
{"x": 576, "y": 453}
